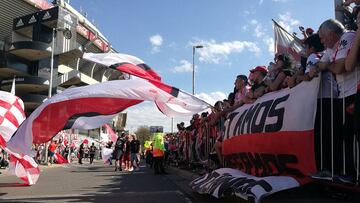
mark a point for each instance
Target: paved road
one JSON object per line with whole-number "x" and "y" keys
{"x": 92, "y": 183}
{"x": 99, "y": 183}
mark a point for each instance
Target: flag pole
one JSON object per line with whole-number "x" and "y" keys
{"x": 295, "y": 37}
{"x": 12, "y": 91}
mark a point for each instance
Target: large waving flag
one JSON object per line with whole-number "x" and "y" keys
{"x": 287, "y": 43}
{"x": 11, "y": 116}
{"x": 92, "y": 102}
{"x": 136, "y": 67}
{"x": 124, "y": 63}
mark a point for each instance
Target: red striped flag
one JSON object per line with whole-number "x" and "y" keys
{"x": 11, "y": 116}
{"x": 136, "y": 67}
{"x": 80, "y": 107}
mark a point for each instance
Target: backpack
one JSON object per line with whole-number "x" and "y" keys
{"x": 119, "y": 144}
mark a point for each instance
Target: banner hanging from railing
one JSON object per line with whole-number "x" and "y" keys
{"x": 268, "y": 145}
{"x": 274, "y": 135}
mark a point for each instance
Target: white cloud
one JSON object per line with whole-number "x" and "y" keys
{"x": 212, "y": 97}
{"x": 147, "y": 113}
{"x": 185, "y": 66}
{"x": 259, "y": 30}
{"x": 156, "y": 41}
{"x": 216, "y": 53}
{"x": 287, "y": 22}
{"x": 269, "y": 41}
{"x": 279, "y": 0}
{"x": 261, "y": 1}
{"x": 245, "y": 28}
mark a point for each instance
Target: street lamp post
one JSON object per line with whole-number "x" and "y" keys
{"x": 67, "y": 34}
{"x": 193, "y": 67}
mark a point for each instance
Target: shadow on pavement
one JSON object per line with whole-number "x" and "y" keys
{"x": 13, "y": 185}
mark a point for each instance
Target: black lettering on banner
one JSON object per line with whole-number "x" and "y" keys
{"x": 262, "y": 183}
{"x": 231, "y": 118}
{"x": 238, "y": 185}
{"x": 257, "y": 164}
{"x": 226, "y": 185}
{"x": 241, "y": 187}
{"x": 236, "y": 182}
{"x": 279, "y": 113}
{"x": 248, "y": 118}
{"x": 211, "y": 176}
{"x": 271, "y": 163}
{"x": 238, "y": 123}
{"x": 232, "y": 161}
{"x": 239, "y": 162}
{"x": 218, "y": 182}
{"x": 264, "y": 164}
{"x": 284, "y": 159}
{"x": 258, "y": 128}
{"x": 209, "y": 183}
{"x": 246, "y": 162}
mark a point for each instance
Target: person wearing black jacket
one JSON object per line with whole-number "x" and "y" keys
{"x": 135, "y": 152}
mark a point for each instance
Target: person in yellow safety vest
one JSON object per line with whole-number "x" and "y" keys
{"x": 148, "y": 153}
{"x": 158, "y": 153}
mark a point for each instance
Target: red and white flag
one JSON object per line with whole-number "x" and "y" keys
{"x": 136, "y": 67}
{"x": 11, "y": 116}
{"x": 124, "y": 63}
{"x": 112, "y": 135}
{"x": 60, "y": 159}
{"x": 286, "y": 43}
{"x": 92, "y": 102}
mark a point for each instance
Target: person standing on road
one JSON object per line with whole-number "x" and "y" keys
{"x": 92, "y": 152}
{"x": 135, "y": 152}
{"x": 119, "y": 151}
{"x": 109, "y": 145}
{"x": 81, "y": 153}
{"x": 52, "y": 149}
{"x": 158, "y": 153}
{"x": 126, "y": 156}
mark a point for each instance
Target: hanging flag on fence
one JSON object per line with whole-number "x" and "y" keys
{"x": 270, "y": 142}
{"x": 11, "y": 116}
{"x": 286, "y": 43}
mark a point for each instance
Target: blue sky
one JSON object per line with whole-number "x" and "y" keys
{"x": 236, "y": 34}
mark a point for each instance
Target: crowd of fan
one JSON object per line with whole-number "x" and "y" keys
{"x": 332, "y": 53}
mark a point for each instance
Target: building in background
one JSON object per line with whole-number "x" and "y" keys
{"x": 27, "y": 31}
{"x": 153, "y": 129}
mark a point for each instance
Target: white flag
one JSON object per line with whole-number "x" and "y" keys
{"x": 287, "y": 43}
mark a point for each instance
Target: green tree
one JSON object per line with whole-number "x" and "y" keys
{"x": 143, "y": 133}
